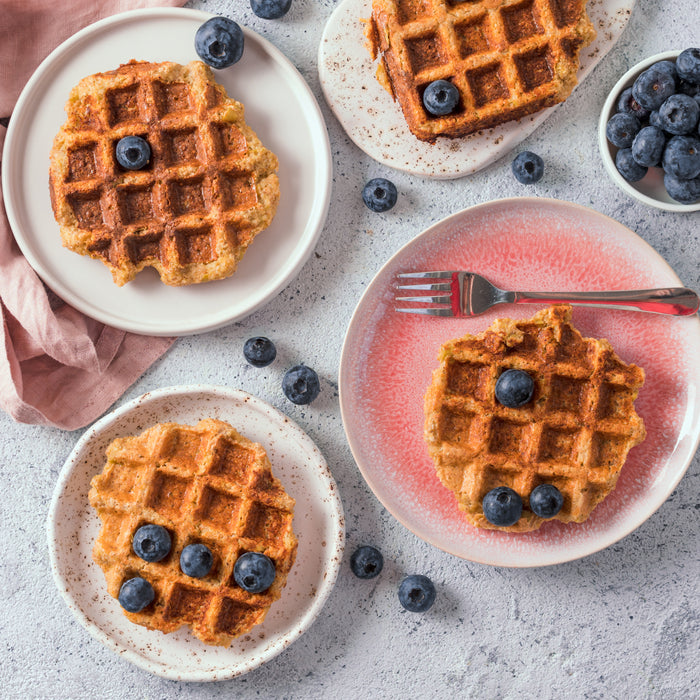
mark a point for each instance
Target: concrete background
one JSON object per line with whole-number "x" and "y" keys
{"x": 622, "y": 623}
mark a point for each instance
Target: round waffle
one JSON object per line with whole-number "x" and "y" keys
{"x": 209, "y": 189}
{"x": 574, "y": 433}
{"x": 205, "y": 484}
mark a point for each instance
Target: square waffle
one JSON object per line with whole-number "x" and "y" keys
{"x": 574, "y": 433}
{"x": 507, "y": 58}
{"x": 191, "y": 213}
{"x": 204, "y": 484}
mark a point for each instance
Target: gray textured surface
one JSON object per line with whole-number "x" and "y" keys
{"x": 621, "y": 623}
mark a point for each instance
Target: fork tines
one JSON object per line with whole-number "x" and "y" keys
{"x": 445, "y": 299}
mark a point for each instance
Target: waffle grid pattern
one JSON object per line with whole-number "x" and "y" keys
{"x": 205, "y": 484}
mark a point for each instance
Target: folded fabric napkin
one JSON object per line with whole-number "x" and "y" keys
{"x": 57, "y": 366}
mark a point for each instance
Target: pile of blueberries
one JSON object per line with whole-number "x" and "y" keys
{"x": 658, "y": 125}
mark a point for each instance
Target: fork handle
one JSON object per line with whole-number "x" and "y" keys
{"x": 676, "y": 301}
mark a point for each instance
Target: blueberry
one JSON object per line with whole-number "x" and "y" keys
{"x": 366, "y": 562}
{"x": 621, "y": 129}
{"x": 379, "y": 194}
{"x": 300, "y": 384}
{"x": 690, "y": 89}
{"x": 196, "y": 560}
{"x": 135, "y": 594}
{"x": 648, "y": 146}
{"x": 514, "y": 388}
{"x": 546, "y": 500}
{"x": 260, "y": 351}
{"x": 270, "y": 9}
{"x": 679, "y": 114}
{"x": 669, "y": 67}
{"x": 440, "y": 97}
{"x": 527, "y": 167}
{"x": 417, "y": 593}
{"x": 219, "y": 42}
{"x": 688, "y": 65}
{"x": 653, "y": 87}
{"x": 682, "y": 157}
{"x": 628, "y": 167}
{"x": 683, "y": 191}
{"x": 254, "y": 572}
{"x": 133, "y": 152}
{"x": 654, "y": 119}
{"x": 502, "y": 506}
{"x": 151, "y": 542}
{"x": 628, "y": 105}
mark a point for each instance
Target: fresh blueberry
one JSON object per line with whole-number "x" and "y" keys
{"x": 669, "y": 67}
{"x": 254, "y": 572}
{"x": 546, "y": 500}
{"x": 682, "y": 157}
{"x": 690, "y": 89}
{"x": 260, "y": 351}
{"x": 417, "y": 593}
{"x": 440, "y": 97}
{"x": 502, "y": 506}
{"x": 621, "y": 129}
{"x": 679, "y": 114}
{"x": 654, "y": 119}
{"x": 379, "y": 194}
{"x": 683, "y": 191}
{"x": 133, "y": 152}
{"x": 648, "y": 146}
{"x": 514, "y": 388}
{"x": 628, "y": 105}
{"x": 688, "y": 65}
{"x": 300, "y": 384}
{"x": 196, "y": 560}
{"x": 366, "y": 562}
{"x": 653, "y": 87}
{"x": 270, "y": 9}
{"x": 527, "y": 167}
{"x": 135, "y": 594}
{"x": 219, "y": 42}
{"x": 628, "y": 167}
{"x": 151, "y": 542}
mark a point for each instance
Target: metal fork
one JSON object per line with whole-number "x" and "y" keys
{"x": 470, "y": 294}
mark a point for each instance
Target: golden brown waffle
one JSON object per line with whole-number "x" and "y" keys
{"x": 574, "y": 433}
{"x": 507, "y": 58}
{"x": 205, "y": 484}
{"x": 209, "y": 189}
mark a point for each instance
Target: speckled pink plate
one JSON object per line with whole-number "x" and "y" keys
{"x": 528, "y": 244}
{"x": 318, "y": 523}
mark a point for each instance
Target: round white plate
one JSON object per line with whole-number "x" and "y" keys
{"x": 279, "y": 107}
{"x": 375, "y": 122}
{"x": 318, "y": 523}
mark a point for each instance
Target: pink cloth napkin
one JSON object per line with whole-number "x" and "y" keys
{"x": 57, "y": 366}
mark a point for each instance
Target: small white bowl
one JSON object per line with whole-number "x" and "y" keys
{"x": 650, "y": 189}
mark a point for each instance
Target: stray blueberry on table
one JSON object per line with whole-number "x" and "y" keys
{"x": 688, "y": 65}
{"x": 440, "y": 97}
{"x": 219, "y": 42}
{"x": 366, "y": 562}
{"x": 502, "y": 506}
{"x": 527, "y": 167}
{"x": 514, "y": 388}
{"x": 196, "y": 560}
{"x": 417, "y": 593}
{"x": 151, "y": 542}
{"x": 379, "y": 194}
{"x": 259, "y": 351}
{"x": 301, "y": 385}
{"x": 628, "y": 105}
{"x": 133, "y": 152}
{"x": 270, "y": 9}
{"x": 683, "y": 191}
{"x": 136, "y": 594}
{"x": 621, "y": 129}
{"x": 546, "y": 500}
{"x": 628, "y": 167}
{"x": 682, "y": 157}
{"x": 254, "y": 572}
{"x": 648, "y": 146}
{"x": 679, "y": 114}
{"x": 653, "y": 87}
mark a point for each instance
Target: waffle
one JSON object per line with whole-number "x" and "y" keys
{"x": 507, "y": 58}
{"x": 574, "y": 433}
{"x": 209, "y": 189}
{"x": 203, "y": 483}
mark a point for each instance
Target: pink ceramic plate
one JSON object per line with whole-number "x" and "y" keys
{"x": 526, "y": 244}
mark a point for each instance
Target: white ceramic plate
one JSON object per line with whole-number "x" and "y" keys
{"x": 280, "y": 108}
{"x": 519, "y": 244}
{"x": 375, "y": 122}
{"x": 318, "y": 523}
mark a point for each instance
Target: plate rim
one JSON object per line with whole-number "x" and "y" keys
{"x": 334, "y": 554}
{"x": 314, "y": 225}
{"x": 345, "y": 360}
